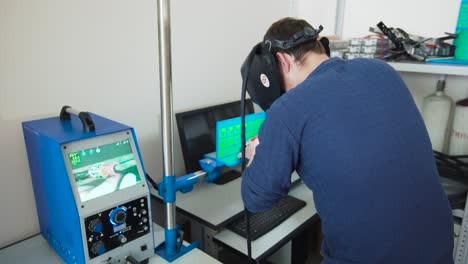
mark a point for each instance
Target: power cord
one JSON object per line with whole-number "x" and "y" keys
{"x": 244, "y": 162}
{"x": 152, "y": 182}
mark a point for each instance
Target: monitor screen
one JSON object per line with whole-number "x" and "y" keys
{"x": 104, "y": 169}
{"x": 197, "y": 130}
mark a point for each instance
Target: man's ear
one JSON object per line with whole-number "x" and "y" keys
{"x": 284, "y": 64}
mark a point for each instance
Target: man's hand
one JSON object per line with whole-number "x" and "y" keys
{"x": 250, "y": 149}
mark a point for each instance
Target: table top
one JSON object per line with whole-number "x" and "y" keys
{"x": 214, "y": 205}
{"x": 279, "y": 235}
{"x": 36, "y": 250}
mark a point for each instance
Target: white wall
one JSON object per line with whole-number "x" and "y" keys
{"x": 101, "y": 56}
{"x": 424, "y": 17}
{"x": 318, "y": 13}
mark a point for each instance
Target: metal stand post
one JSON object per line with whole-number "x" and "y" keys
{"x": 172, "y": 248}
{"x": 339, "y": 18}
{"x": 165, "y": 80}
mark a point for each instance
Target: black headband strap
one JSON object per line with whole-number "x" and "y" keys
{"x": 307, "y": 34}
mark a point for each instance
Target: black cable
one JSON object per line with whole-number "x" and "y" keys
{"x": 244, "y": 165}
{"x": 152, "y": 182}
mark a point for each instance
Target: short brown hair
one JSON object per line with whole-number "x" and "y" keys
{"x": 284, "y": 29}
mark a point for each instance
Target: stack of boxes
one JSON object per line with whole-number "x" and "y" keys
{"x": 369, "y": 47}
{"x": 338, "y": 48}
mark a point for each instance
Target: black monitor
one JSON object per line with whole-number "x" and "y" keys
{"x": 197, "y": 130}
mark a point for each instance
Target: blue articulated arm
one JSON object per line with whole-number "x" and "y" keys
{"x": 210, "y": 168}
{"x": 167, "y": 190}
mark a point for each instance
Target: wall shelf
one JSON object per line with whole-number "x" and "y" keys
{"x": 418, "y": 67}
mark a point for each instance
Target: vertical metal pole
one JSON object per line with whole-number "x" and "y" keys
{"x": 165, "y": 79}
{"x": 339, "y": 18}
{"x": 165, "y": 75}
{"x": 293, "y": 10}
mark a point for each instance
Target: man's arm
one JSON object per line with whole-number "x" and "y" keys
{"x": 268, "y": 177}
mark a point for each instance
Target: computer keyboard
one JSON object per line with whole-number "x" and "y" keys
{"x": 261, "y": 223}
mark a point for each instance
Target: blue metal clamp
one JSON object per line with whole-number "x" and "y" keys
{"x": 168, "y": 189}
{"x": 212, "y": 167}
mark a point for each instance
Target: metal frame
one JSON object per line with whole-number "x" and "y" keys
{"x": 461, "y": 252}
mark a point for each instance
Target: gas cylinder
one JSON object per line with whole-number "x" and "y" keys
{"x": 459, "y": 135}
{"x": 437, "y": 114}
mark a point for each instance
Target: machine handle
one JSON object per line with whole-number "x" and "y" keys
{"x": 85, "y": 117}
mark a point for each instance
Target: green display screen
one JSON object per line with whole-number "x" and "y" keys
{"x": 228, "y": 136}
{"x": 104, "y": 169}
{"x": 462, "y": 22}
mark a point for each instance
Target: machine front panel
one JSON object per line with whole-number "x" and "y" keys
{"x": 108, "y": 183}
{"x": 103, "y": 171}
{"x": 117, "y": 226}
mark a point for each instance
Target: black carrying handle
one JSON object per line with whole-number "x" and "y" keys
{"x": 85, "y": 117}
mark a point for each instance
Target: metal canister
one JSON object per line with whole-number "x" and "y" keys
{"x": 461, "y": 42}
{"x": 459, "y": 136}
{"x": 437, "y": 114}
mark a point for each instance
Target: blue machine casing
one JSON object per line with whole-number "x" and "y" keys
{"x": 59, "y": 217}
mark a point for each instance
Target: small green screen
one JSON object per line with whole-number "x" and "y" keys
{"x": 104, "y": 169}
{"x": 228, "y": 136}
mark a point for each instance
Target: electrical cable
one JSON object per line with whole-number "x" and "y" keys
{"x": 244, "y": 162}
{"x": 152, "y": 182}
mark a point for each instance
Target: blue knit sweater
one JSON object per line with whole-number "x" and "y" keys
{"x": 354, "y": 135}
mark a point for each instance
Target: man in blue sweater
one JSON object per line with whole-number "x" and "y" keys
{"x": 354, "y": 135}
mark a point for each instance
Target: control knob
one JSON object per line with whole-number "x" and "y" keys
{"x": 118, "y": 216}
{"x": 96, "y": 226}
{"x": 98, "y": 248}
{"x": 122, "y": 239}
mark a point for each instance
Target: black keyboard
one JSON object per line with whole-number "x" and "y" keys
{"x": 261, "y": 223}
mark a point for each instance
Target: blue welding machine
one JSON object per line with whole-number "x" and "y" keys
{"x": 92, "y": 197}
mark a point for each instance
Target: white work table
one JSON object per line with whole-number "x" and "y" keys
{"x": 215, "y": 206}
{"x": 36, "y": 250}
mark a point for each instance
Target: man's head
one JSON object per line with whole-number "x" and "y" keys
{"x": 295, "y": 64}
